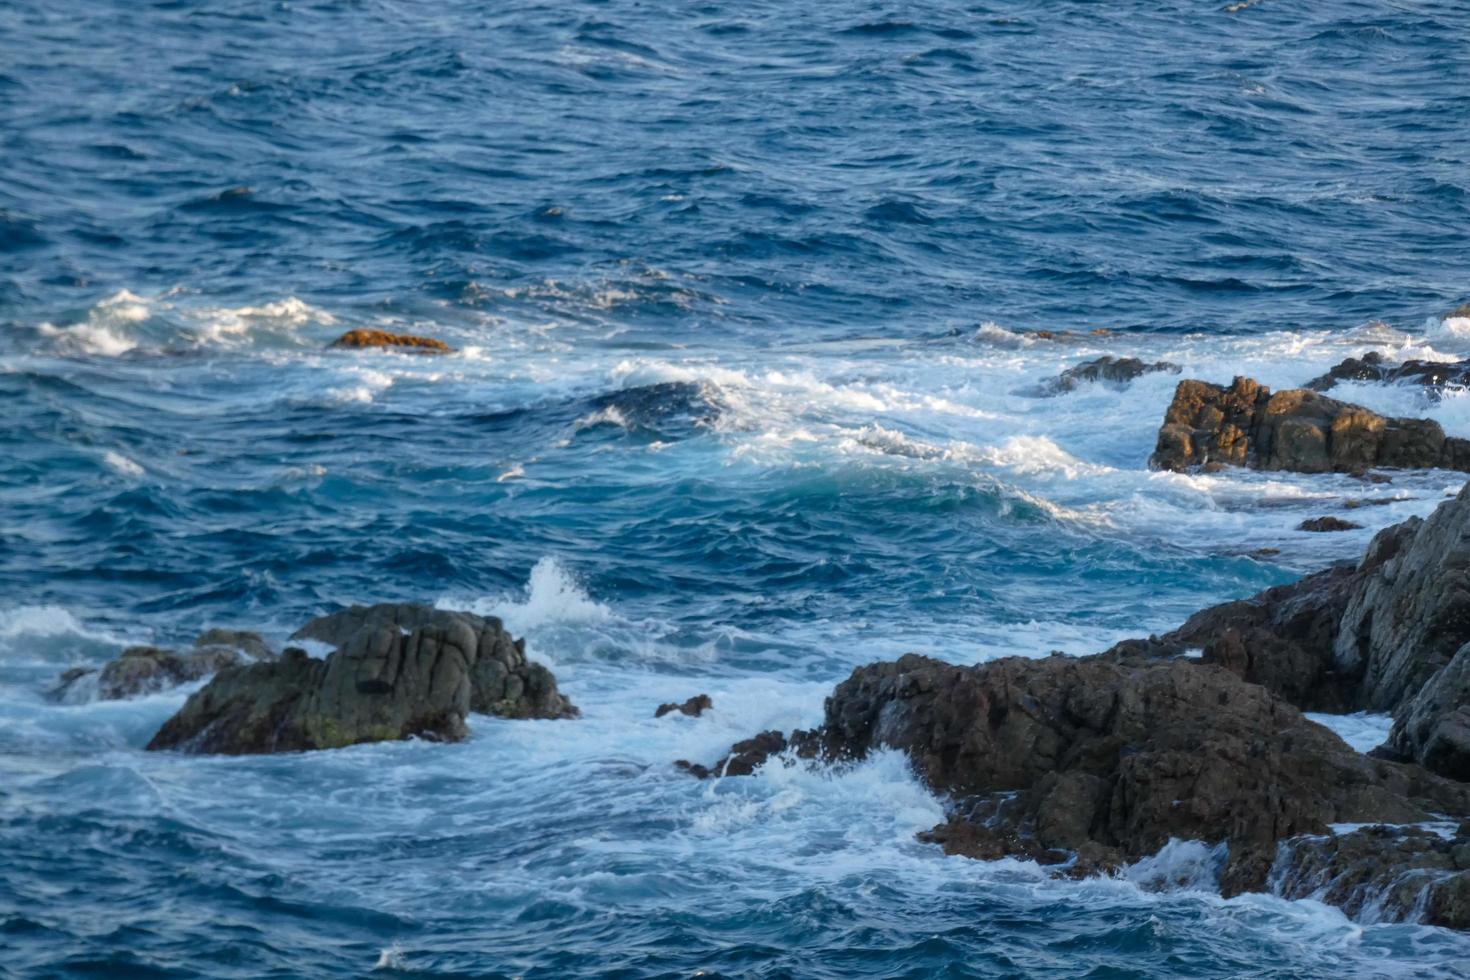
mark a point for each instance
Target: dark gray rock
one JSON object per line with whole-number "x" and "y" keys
{"x": 1380, "y": 874}
{"x": 1433, "y": 726}
{"x": 397, "y": 671}
{"x": 148, "y": 669}
{"x": 1298, "y": 430}
{"x": 1322, "y": 525}
{"x": 1098, "y": 762}
{"x": 1410, "y": 611}
{"x": 694, "y": 707}
{"x": 1117, "y": 371}
{"x": 1433, "y": 376}
{"x": 251, "y": 644}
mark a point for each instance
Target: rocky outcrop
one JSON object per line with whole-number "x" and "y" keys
{"x": 748, "y": 755}
{"x": 694, "y": 707}
{"x": 1433, "y": 376}
{"x": 1410, "y": 612}
{"x": 1282, "y": 639}
{"x": 397, "y": 671}
{"x": 363, "y": 339}
{"x": 1323, "y": 525}
{"x": 1299, "y": 430}
{"x": 1380, "y": 874}
{"x": 1117, "y": 371}
{"x": 1095, "y": 762}
{"x": 147, "y": 669}
{"x": 1433, "y": 726}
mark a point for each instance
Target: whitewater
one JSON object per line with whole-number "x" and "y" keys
{"x": 749, "y": 309}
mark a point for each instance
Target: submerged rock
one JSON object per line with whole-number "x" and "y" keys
{"x": 1323, "y": 525}
{"x": 694, "y": 707}
{"x": 1113, "y": 370}
{"x": 362, "y": 339}
{"x": 148, "y": 669}
{"x": 397, "y": 671}
{"x": 1298, "y": 430}
{"x": 1433, "y": 726}
{"x": 1434, "y": 376}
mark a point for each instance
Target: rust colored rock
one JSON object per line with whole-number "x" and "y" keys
{"x": 1297, "y": 430}
{"x": 363, "y": 339}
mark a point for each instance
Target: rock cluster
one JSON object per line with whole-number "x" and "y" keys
{"x": 1090, "y": 763}
{"x": 1093, "y": 763}
{"x": 147, "y": 669}
{"x": 1299, "y": 430}
{"x": 396, "y": 671}
{"x": 360, "y": 339}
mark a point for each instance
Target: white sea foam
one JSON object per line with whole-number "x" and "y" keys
{"x": 1181, "y": 865}
{"x": 1361, "y": 730}
{"x": 122, "y": 464}
{"x": 39, "y": 621}
{"x": 553, "y": 596}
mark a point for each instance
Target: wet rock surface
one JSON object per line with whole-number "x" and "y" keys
{"x": 1323, "y": 525}
{"x": 1433, "y": 727}
{"x": 1089, "y": 764}
{"x": 1378, "y": 636}
{"x": 1380, "y": 874}
{"x": 694, "y": 707}
{"x": 1298, "y": 430}
{"x": 1117, "y": 371}
{"x": 144, "y": 670}
{"x": 1093, "y": 763}
{"x": 370, "y": 339}
{"x": 1434, "y": 376}
{"x": 398, "y": 670}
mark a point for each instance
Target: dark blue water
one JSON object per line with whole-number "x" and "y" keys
{"x": 741, "y": 295}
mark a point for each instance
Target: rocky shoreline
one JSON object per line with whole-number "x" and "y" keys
{"x": 1088, "y": 764}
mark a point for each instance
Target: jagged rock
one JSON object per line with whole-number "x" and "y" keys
{"x": 1107, "y": 761}
{"x": 1380, "y": 874}
{"x": 144, "y": 670}
{"x": 1326, "y": 524}
{"x": 1433, "y": 726}
{"x": 1113, "y": 370}
{"x": 694, "y": 707}
{"x": 149, "y": 669}
{"x": 1281, "y": 638}
{"x": 1410, "y": 612}
{"x": 1434, "y": 376}
{"x": 1380, "y": 636}
{"x": 361, "y": 339}
{"x": 1298, "y": 430}
{"x": 398, "y": 671}
{"x": 749, "y": 755}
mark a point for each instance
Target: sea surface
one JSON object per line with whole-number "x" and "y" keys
{"x": 745, "y": 299}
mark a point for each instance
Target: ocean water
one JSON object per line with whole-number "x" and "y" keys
{"x": 743, "y": 296}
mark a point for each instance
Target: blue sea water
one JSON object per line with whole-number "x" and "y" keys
{"x": 743, "y": 296}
